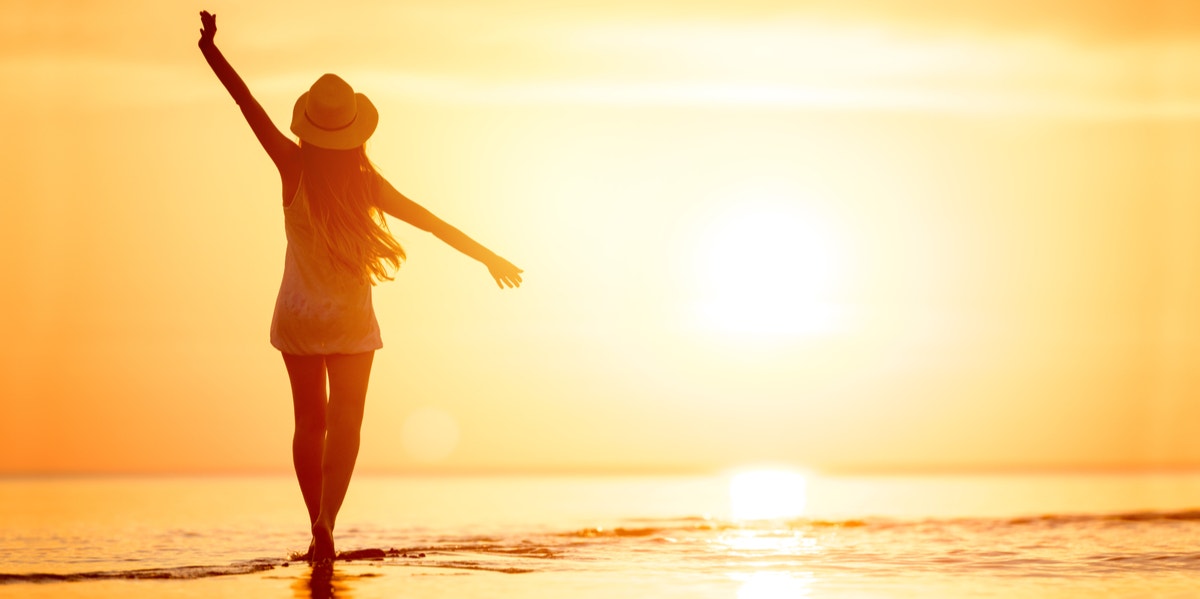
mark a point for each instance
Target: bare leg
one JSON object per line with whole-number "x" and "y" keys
{"x": 307, "y": 375}
{"x": 348, "y": 377}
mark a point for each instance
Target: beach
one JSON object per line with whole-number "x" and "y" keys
{"x": 1047, "y": 535}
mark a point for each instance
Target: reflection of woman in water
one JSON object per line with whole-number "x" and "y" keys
{"x": 338, "y": 247}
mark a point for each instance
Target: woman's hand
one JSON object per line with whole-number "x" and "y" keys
{"x": 506, "y": 273}
{"x": 208, "y": 22}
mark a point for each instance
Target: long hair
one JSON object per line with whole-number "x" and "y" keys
{"x": 341, "y": 187}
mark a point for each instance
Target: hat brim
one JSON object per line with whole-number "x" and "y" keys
{"x": 346, "y": 138}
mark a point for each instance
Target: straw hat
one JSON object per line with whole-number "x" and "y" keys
{"x": 330, "y": 115}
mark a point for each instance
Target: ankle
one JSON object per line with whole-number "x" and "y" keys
{"x": 322, "y": 524}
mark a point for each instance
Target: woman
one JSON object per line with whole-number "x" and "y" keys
{"x": 339, "y": 246}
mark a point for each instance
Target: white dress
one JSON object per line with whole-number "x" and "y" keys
{"x": 320, "y": 309}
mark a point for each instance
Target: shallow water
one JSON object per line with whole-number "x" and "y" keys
{"x": 1050, "y": 536}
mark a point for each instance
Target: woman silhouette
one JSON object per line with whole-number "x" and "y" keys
{"x": 338, "y": 247}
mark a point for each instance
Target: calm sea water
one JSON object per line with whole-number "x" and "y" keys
{"x": 952, "y": 536}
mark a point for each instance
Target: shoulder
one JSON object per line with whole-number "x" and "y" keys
{"x": 383, "y": 188}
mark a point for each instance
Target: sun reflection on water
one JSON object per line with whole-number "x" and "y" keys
{"x": 774, "y": 585}
{"x": 787, "y": 542}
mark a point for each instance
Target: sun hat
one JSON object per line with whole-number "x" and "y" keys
{"x": 330, "y": 115}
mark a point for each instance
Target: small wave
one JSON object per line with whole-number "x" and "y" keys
{"x": 371, "y": 553}
{"x": 592, "y": 532}
{"x": 1140, "y": 517}
{"x": 491, "y": 546}
{"x": 1146, "y": 562}
{"x": 1183, "y": 515}
{"x": 408, "y": 556}
{"x": 479, "y": 566}
{"x": 834, "y": 523}
{"x": 1058, "y": 545}
{"x": 666, "y": 527}
{"x": 182, "y": 573}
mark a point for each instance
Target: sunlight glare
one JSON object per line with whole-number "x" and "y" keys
{"x": 767, "y": 494}
{"x": 767, "y": 268}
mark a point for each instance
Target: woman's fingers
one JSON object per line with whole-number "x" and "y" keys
{"x": 505, "y": 273}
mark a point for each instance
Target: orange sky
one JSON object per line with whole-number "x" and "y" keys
{"x": 841, "y": 235}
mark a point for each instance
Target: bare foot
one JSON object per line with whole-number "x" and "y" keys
{"x": 307, "y": 555}
{"x": 322, "y": 545}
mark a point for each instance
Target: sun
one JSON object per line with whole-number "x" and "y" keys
{"x": 769, "y": 267}
{"x": 767, "y": 494}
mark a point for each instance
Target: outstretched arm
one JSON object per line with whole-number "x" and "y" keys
{"x": 396, "y": 204}
{"x": 281, "y": 149}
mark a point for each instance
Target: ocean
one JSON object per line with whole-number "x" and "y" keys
{"x": 759, "y": 535}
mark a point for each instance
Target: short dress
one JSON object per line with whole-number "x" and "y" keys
{"x": 320, "y": 309}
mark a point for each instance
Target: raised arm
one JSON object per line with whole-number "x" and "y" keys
{"x": 396, "y": 204}
{"x": 282, "y": 150}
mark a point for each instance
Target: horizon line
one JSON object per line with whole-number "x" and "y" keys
{"x": 847, "y": 470}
